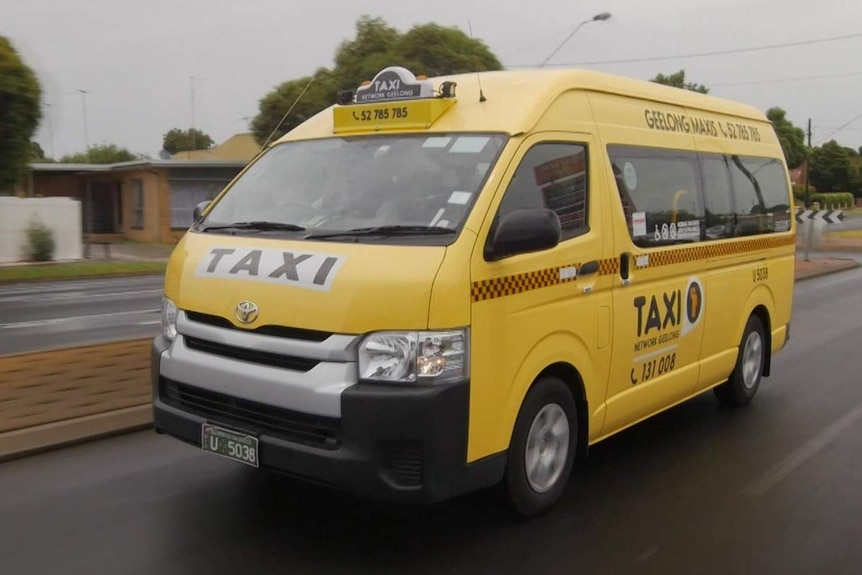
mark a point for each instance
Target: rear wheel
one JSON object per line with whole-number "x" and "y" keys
{"x": 543, "y": 448}
{"x": 743, "y": 383}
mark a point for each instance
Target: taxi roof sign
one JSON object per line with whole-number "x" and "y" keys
{"x": 394, "y": 83}
{"x": 394, "y": 100}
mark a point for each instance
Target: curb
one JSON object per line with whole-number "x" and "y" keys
{"x": 842, "y": 267}
{"x": 9, "y": 282}
{"x": 41, "y": 438}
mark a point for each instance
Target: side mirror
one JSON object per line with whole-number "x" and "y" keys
{"x": 199, "y": 210}
{"x": 525, "y": 231}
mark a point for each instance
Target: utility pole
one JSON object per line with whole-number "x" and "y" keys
{"x": 808, "y": 160}
{"x": 84, "y": 113}
{"x": 192, "y": 80}
{"x": 809, "y": 224}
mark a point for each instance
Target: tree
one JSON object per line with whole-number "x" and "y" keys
{"x": 830, "y": 168}
{"x": 436, "y": 50}
{"x": 177, "y": 140}
{"x": 320, "y": 93}
{"x": 427, "y": 49}
{"x": 368, "y": 53}
{"x": 855, "y": 185}
{"x": 792, "y": 138}
{"x": 20, "y": 112}
{"x": 37, "y": 154}
{"x": 100, "y": 154}
{"x": 677, "y": 80}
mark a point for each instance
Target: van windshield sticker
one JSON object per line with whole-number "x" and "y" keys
{"x": 688, "y": 124}
{"x": 436, "y": 142}
{"x": 306, "y": 270}
{"x": 630, "y": 176}
{"x": 460, "y": 198}
{"x": 639, "y": 228}
{"x": 469, "y": 145}
{"x": 689, "y": 230}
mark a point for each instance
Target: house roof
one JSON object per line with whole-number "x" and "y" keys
{"x": 237, "y": 147}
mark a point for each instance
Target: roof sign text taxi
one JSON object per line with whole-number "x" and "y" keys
{"x": 394, "y": 83}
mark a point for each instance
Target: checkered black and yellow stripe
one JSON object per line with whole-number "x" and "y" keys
{"x": 548, "y": 277}
{"x": 520, "y": 283}
{"x": 711, "y": 250}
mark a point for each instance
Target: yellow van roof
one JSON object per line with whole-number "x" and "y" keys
{"x": 517, "y": 99}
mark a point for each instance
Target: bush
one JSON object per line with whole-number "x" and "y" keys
{"x": 834, "y": 201}
{"x": 799, "y": 191}
{"x": 40, "y": 242}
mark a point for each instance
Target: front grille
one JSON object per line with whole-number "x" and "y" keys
{"x": 252, "y": 416}
{"x": 250, "y": 355}
{"x": 404, "y": 462}
{"x": 271, "y": 330}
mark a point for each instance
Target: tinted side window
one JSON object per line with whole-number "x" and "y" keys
{"x": 720, "y": 216}
{"x": 552, "y": 176}
{"x": 660, "y": 194}
{"x": 760, "y": 195}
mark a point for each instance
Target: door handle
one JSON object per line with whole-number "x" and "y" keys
{"x": 589, "y": 268}
{"x": 625, "y": 263}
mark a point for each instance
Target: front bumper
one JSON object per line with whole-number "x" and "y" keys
{"x": 402, "y": 443}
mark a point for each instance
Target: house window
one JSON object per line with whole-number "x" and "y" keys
{"x": 137, "y": 187}
{"x": 186, "y": 194}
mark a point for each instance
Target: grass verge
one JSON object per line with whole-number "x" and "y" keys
{"x": 78, "y": 270}
{"x": 847, "y": 234}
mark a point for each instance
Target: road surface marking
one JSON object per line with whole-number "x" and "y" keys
{"x": 778, "y": 472}
{"x": 42, "y": 322}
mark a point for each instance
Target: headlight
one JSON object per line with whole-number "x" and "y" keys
{"x": 408, "y": 357}
{"x": 169, "y": 319}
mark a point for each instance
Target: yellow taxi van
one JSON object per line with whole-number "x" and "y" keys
{"x": 440, "y": 285}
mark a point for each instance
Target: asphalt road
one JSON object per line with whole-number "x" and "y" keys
{"x": 772, "y": 488}
{"x": 46, "y": 315}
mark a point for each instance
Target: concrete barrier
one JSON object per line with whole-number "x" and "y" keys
{"x": 53, "y": 398}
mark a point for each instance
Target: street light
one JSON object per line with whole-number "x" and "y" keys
{"x": 597, "y": 18}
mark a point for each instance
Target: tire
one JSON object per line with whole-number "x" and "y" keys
{"x": 543, "y": 448}
{"x": 743, "y": 383}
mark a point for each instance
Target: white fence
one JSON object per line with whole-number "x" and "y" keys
{"x": 62, "y": 215}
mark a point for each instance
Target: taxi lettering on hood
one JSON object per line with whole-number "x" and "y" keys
{"x": 307, "y": 270}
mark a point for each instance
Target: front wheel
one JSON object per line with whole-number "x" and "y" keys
{"x": 543, "y": 448}
{"x": 743, "y": 383}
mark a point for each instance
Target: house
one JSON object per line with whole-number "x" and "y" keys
{"x": 143, "y": 200}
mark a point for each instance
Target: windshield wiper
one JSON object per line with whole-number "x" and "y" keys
{"x": 385, "y": 231}
{"x": 258, "y": 226}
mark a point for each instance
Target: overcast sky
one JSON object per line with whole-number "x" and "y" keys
{"x": 135, "y": 58}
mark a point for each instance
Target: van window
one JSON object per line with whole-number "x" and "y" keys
{"x": 660, "y": 194}
{"x": 552, "y": 176}
{"x": 720, "y": 216}
{"x": 760, "y": 195}
{"x": 337, "y": 185}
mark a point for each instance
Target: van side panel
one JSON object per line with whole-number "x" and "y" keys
{"x": 656, "y": 352}
{"x": 534, "y": 310}
{"x": 749, "y": 271}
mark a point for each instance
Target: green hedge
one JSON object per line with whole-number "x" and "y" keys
{"x": 834, "y": 201}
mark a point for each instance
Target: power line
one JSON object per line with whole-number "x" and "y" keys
{"x": 838, "y": 129}
{"x": 704, "y": 54}
{"x": 782, "y": 80}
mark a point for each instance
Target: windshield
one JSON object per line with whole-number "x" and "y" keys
{"x": 325, "y": 187}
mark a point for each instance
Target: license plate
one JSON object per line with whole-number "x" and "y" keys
{"x": 231, "y": 444}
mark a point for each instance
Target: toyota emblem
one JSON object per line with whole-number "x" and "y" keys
{"x": 246, "y": 311}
